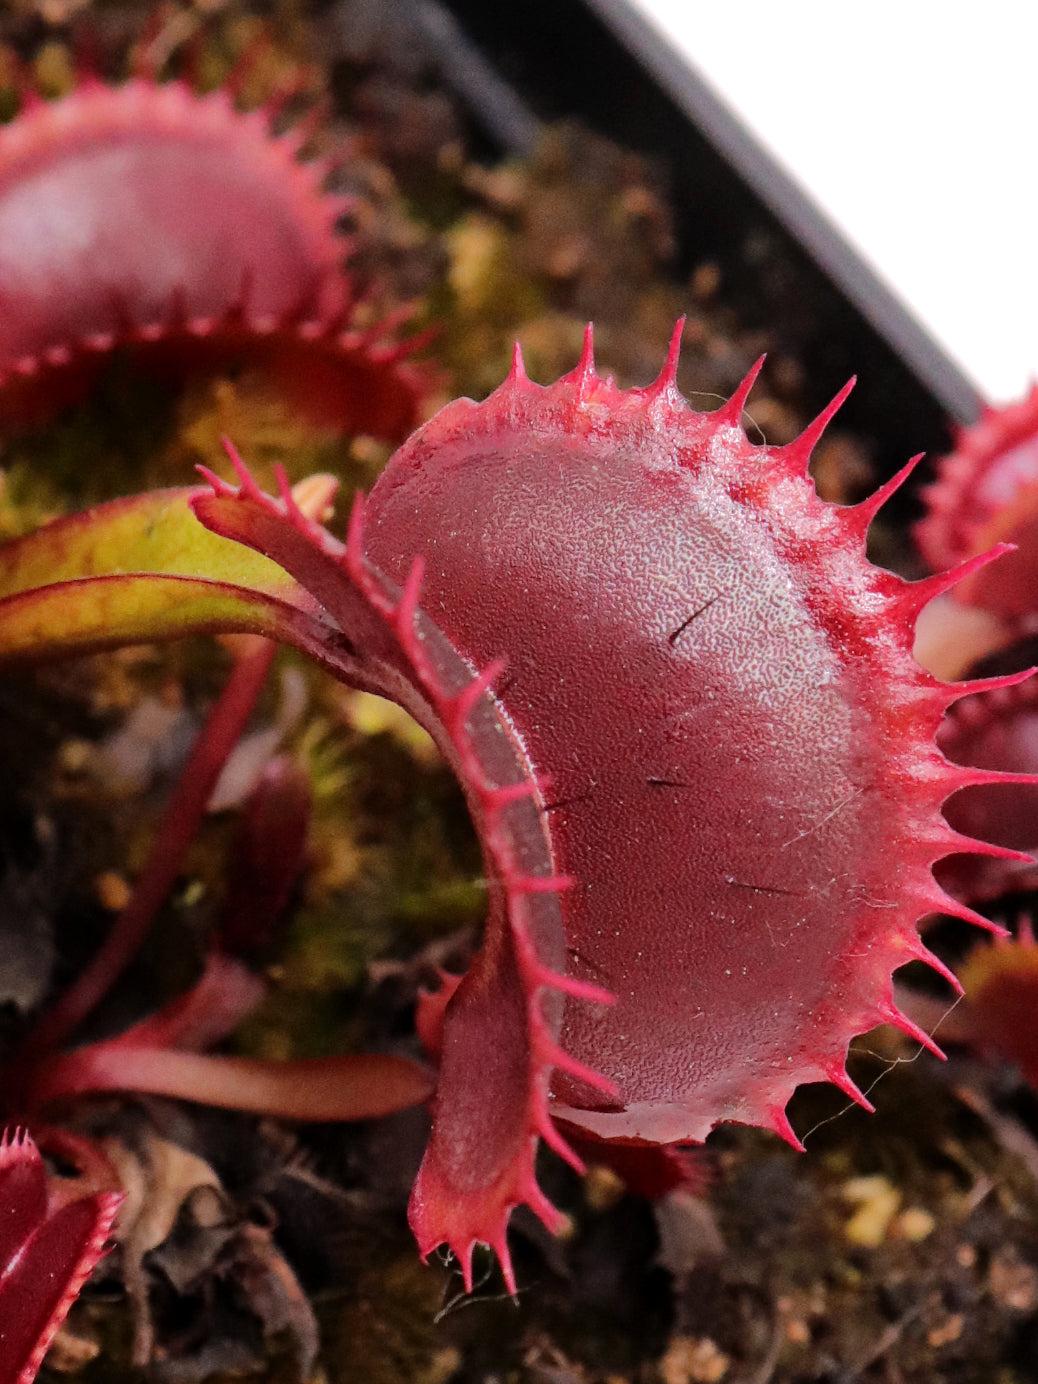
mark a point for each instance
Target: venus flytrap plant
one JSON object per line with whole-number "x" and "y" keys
{"x": 235, "y": 256}
{"x": 49, "y": 1251}
{"x": 681, "y": 703}
{"x": 985, "y": 490}
{"x": 683, "y": 708}
{"x": 48, "y": 1248}
{"x": 162, "y": 1055}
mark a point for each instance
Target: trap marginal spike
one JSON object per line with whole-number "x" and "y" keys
{"x": 500, "y": 797}
{"x": 971, "y": 687}
{"x": 863, "y": 513}
{"x": 517, "y": 374}
{"x": 917, "y": 950}
{"x": 572, "y": 986}
{"x": 796, "y": 455}
{"x": 407, "y": 605}
{"x": 546, "y": 1210}
{"x": 890, "y": 1014}
{"x": 219, "y": 485}
{"x": 572, "y": 1066}
{"x": 541, "y": 884}
{"x": 777, "y": 1121}
{"x": 504, "y": 1259}
{"x": 353, "y": 552}
{"x": 284, "y": 486}
{"x": 732, "y": 411}
{"x": 917, "y": 594}
{"x": 965, "y": 776}
{"x": 984, "y": 488}
{"x": 938, "y": 901}
{"x": 559, "y": 1144}
{"x": 666, "y": 382}
{"x": 467, "y": 699}
{"x": 973, "y": 845}
{"x": 246, "y": 482}
{"x": 838, "y": 1075}
{"x": 584, "y": 376}
{"x": 463, "y": 1255}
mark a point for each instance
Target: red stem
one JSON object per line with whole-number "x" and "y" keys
{"x": 176, "y": 831}
{"x": 359, "y": 1087}
{"x": 213, "y": 1008}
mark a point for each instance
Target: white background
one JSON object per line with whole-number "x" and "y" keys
{"x": 915, "y": 126}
